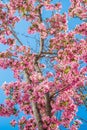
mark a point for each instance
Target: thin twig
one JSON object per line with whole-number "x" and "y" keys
{"x": 14, "y": 34}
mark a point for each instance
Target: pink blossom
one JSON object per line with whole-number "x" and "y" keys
{"x": 13, "y": 122}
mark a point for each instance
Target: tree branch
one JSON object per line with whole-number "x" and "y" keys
{"x": 14, "y": 34}
{"x": 35, "y": 109}
{"x": 47, "y": 97}
{"x": 37, "y": 115}
{"x": 48, "y": 106}
{"x": 49, "y": 53}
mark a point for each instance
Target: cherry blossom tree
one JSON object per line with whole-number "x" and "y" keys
{"x": 39, "y": 91}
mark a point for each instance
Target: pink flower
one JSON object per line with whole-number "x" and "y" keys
{"x": 13, "y": 122}
{"x": 49, "y": 6}
{"x": 73, "y": 127}
{"x": 78, "y": 122}
{"x": 31, "y": 30}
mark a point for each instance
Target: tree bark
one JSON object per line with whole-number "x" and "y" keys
{"x": 35, "y": 109}
{"x": 37, "y": 116}
{"x": 48, "y": 105}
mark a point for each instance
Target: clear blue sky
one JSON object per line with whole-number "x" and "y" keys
{"x": 7, "y": 75}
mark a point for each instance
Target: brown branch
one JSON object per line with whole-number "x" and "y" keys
{"x": 41, "y": 40}
{"x": 37, "y": 116}
{"x": 35, "y": 109}
{"x": 58, "y": 92}
{"x": 39, "y": 11}
{"x": 14, "y": 34}
{"x": 47, "y": 97}
{"x": 41, "y": 45}
{"x": 48, "y": 105}
{"x": 36, "y": 63}
{"x": 49, "y": 53}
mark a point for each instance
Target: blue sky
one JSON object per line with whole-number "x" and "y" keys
{"x": 7, "y": 75}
